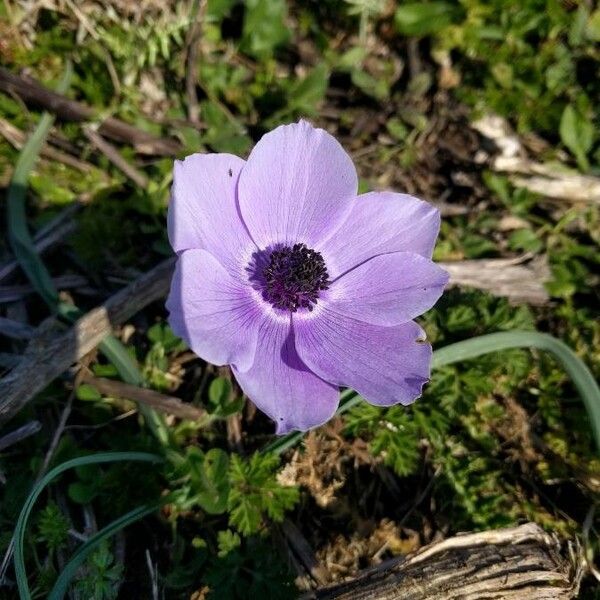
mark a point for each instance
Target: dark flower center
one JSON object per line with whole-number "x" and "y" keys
{"x": 291, "y": 277}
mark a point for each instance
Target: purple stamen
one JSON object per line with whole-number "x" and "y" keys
{"x": 293, "y": 276}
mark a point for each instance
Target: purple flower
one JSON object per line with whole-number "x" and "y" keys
{"x": 297, "y": 282}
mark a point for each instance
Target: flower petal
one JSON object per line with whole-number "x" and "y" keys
{"x": 214, "y": 313}
{"x": 282, "y": 386}
{"x": 382, "y": 222}
{"x": 203, "y": 211}
{"x": 388, "y": 289}
{"x": 385, "y": 365}
{"x": 298, "y": 185}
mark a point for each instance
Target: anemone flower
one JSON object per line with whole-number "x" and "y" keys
{"x": 300, "y": 284}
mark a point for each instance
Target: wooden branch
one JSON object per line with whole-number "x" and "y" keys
{"x": 53, "y": 350}
{"x": 15, "y": 329}
{"x": 160, "y": 402}
{"x": 18, "y": 435}
{"x": 115, "y": 158}
{"x": 11, "y": 293}
{"x": 507, "y": 277}
{"x": 550, "y": 180}
{"x": 18, "y": 138}
{"x": 33, "y": 92}
{"x": 49, "y": 235}
{"x": 507, "y": 564}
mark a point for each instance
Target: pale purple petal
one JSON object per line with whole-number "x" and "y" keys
{"x": 388, "y": 289}
{"x": 298, "y": 185}
{"x": 203, "y": 211}
{"x": 385, "y": 365}
{"x": 215, "y": 314}
{"x": 382, "y": 222}
{"x": 281, "y": 385}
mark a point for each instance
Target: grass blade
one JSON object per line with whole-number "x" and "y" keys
{"x": 19, "y": 535}
{"x": 64, "y": 579}
{"x": 18, "y": 232}
{"x": 494, "y": 342}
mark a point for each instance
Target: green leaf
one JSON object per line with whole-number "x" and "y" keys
{"x": 351, "y": 58}
{"x": 377, "y": 88}
{"x": 59, "y": 590}
{"x": 421, "y": 18}
{"x": 397, "y": 129}
{"x": 526, "y": 240}
{"x": 217, "y": 9}
{"x": 305, "y": 94}
{"x": 255, "y": 493}
{"x": 209, "y": 477}
{"x": 53, "y": 527}
{"x": 88, "y": 393}
{"x": 578, "y": 26}
{"x": 592, "y": 30}
{"x": 245, "y": 513}
{"x": 264, "y": 27}
{"x": 219, "y": 392}
{"x": 101, "y": 575}
{"x": 89, "y": 473}
{"x": 82, "y": 493}
{"x": 222, "y": 402}
{"x": 228, "y": 540}
{"x": 397, "y": 441}
{"x": 503, "y": 74}
{"x": 577, "y": 134}
{"x": 161, "y": 333}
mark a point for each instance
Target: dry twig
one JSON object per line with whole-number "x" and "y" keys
{"x": 18, "y": 435}
{"x": 18, "y": 138}
{"x": 155, "y": 400}
{"x": 115, "y": 158}
{"x": 32, "y": 92}
{"x": 58, "y": 228}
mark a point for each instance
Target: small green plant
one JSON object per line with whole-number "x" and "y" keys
{"x": 256, "y": 494}
{"x": 100, "y": 576}
{"x": 53, "y": 527}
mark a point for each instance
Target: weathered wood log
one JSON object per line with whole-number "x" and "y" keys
{"x": 516, "y": 279}
{"x": 33, "y": 92}
{"x": 53, "y": 350}
{"x": 520, "y": 563}
{"x": 551, "y": 180}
